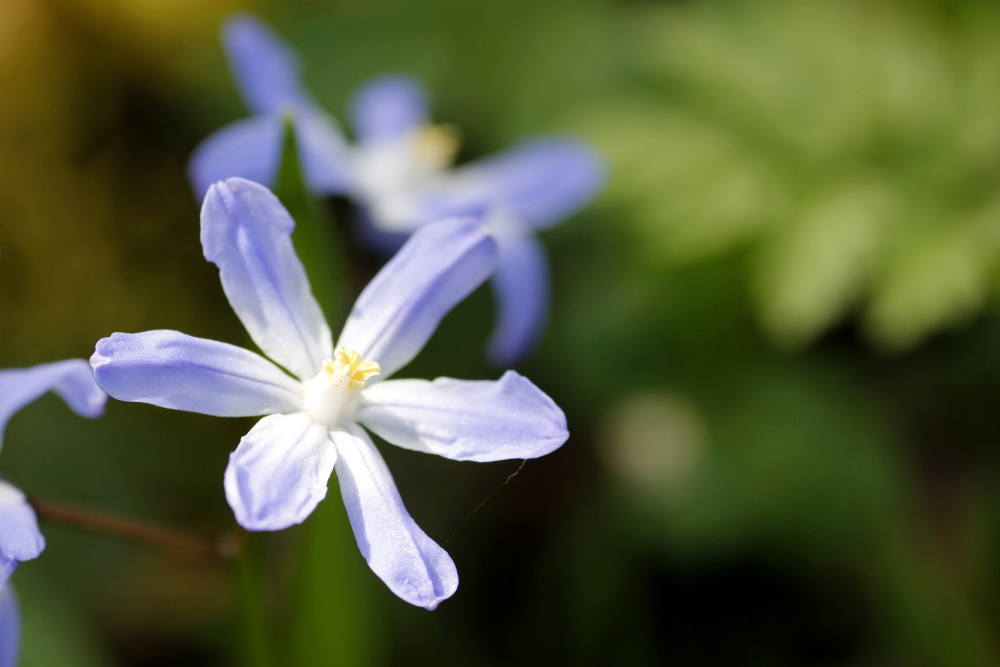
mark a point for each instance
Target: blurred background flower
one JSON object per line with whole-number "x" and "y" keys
{"x": 775, "y": 335}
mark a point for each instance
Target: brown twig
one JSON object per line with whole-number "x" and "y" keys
{"x": 195, "y": 547}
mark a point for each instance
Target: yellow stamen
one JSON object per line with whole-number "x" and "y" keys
{"x": 437, "y": 144}
{"x": 350, "y": 366}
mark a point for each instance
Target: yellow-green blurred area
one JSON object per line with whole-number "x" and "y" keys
{"x": 774, "y": 335}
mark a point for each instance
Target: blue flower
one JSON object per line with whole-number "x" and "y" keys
{"x": 20, "y": 539}
{"x": 402, "y": 175}
{"x": 400, "y": 171}
{"x": 267, "y": 74}
{"x": 280, "y": 469}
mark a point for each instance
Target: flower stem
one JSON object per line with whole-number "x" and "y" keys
{"x": 186, "y": 545}
{"x": 256, "y": 641}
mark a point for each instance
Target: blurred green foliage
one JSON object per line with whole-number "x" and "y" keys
{"x": 848, "y": 149}
{"x": 749, "y": 480}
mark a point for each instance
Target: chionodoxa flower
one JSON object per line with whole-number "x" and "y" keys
{"x": 400, "y": 170}
{"x": 20, "y": 539}
{"x": 279, "y": 471}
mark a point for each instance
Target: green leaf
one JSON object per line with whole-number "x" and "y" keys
{"x": 789, "y": 129}
{"x": 332, "y": 618}
{"x": 814, "y": 268}
{"x": 314, "y": 238}
{"x": 934, "y": 278}
{"x": 695, "y": 190}
{"x": 257, "y": 648}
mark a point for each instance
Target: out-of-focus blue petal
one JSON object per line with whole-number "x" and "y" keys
{"x": 71, "y": 379}
{"x": 279, "y": 472}
{"x": 323, "y": 152}
{"x": 466, "y": 420}
{"x": 266, "y": 69}
{"x": 249, "y": 148}
{"x": 521, "y": 289}
{"x": 542, "y": 180}
{"x": 401, "y": 307}
{"x": 20, "y": 539}
{"x": 181, "y": 372}
{"x": 246, "y": 232}
{"x": 387, "y": 108}
{"x": 10, "y": 627}
{"x": 411, "y": 564}
{"x": 7, "y": 568}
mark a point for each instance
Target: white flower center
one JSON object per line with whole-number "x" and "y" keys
{"x": 392, "y": 175}
{"x": 330, "y": 397}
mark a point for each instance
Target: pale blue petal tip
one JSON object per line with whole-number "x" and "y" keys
{"x": 411, "y": 564}
{"x": 249, "y": 149}
{"x": 266, "y": 69}
{"x": 388, "y": 108}
{"x": 181, "y": 372}
{"x": 544, "y": 180}
{"x": 521, "y": 289}
{"x": 279, "y": 472}
{"x": 246, "y": 233}
{"x": 71, "y": 379}
{"x": 466, "y": 420}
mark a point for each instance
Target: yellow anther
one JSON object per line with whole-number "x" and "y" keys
{"x": 351, "y": 367}
{"x": 437, "y": 144}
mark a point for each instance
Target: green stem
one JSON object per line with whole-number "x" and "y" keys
{"x": 256, "y": 645}
{"x": 938, "y": 619}
{"x": 314, "y": 239}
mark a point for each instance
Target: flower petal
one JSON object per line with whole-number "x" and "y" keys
{"x": 465, "y": 420}
{"x": 401, "y": 307}
{"x": 279, "y": 472}
{"x": 181, "y": 372}
{"x": 411, "y": 564}
{"x": 249, "y": 148}
{"x": 542, "y": 180}
{"x": 246, "y": 232}
{"x": 521, "y": 287}
{"x": 387, "y": 108}
{"x": 266, "y": 69}
{"x": 20, "y": 539}
{"x": 10, "y": 627}
{"x": 322, "y": 151}
{"x": 71, "y": 379}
